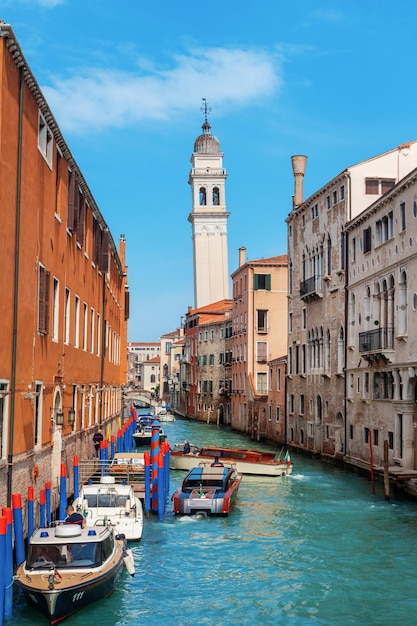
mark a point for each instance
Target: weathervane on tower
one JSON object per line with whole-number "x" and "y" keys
{"x": 205, "y": 109}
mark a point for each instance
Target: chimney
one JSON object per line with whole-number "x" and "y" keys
{"x": 298, "y": 168}
{"x": 242, "y": 251}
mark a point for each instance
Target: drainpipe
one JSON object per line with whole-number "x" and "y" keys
{"x": 15, "y": 291}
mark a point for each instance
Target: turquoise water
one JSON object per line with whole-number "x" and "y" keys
{"x": 312, "y": 548}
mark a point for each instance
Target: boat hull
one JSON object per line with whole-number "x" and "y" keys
{"x": 59, "y": 604}
{"x": 68, "y": 568}
{"x": 265, "y": 466}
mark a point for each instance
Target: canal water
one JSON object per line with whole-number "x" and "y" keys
{"x": 315, "y": 547}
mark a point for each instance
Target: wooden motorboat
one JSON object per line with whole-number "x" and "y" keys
{"x": 209, "y": 488}
{"x": 246, "y": 461}
{"x": 143, "y": 434}
{"x": 111, "y": 502}
{"x": 129, "y": 467}
{"x": 69, "y": 567}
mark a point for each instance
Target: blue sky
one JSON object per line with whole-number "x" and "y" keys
{"x": 125, "y": 80}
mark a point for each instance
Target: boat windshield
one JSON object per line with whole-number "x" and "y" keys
{"x": 69, "y": 555}
{"x": 105, "y": 500}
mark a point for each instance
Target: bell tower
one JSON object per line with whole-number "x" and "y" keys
{"x": 209, "y": 218}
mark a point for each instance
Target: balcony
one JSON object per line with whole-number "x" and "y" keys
{"x": 378, "y": 343}
{"x": 312, "y": 288}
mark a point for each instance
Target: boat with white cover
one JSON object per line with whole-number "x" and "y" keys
{"x": 111, "y": 502}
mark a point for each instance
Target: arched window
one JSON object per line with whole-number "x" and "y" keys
{"x": 328, "y": 351}
{"x": 216, "y": 196}
{"x": 152, "y": 378}
{"x": 329, "y": 255}
{"x": 351, "y": 326}
{"x": 203, "y": 199}
{"x": 341, "y": 351}
{"x": 402, "y": 317}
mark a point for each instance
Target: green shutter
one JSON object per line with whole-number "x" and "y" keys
{"x": 268, "y": 282}
{"x": 255, "y": 281}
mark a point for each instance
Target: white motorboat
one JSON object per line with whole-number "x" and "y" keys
{"x": 111, "y": 502}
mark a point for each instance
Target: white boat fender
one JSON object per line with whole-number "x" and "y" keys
{"x": 127, "y": 506}
{"x": 128, "y": 561}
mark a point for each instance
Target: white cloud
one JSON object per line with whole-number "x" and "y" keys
{"x": 100, "y": 98}
{"x": 49, "y": 4}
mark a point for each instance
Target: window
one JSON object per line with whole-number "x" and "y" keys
{"x": 329, "y": 255}
{"x": 98, "y": 334}
{"x": 55, "y": 310}
{"x": 314, "y": 211}
{"x": 45, "y": 140}
{"x": 261, "y": 351}
{"x": 328, "y": 202}
{"x": 335, "y": 197}
{"x": 67, "y": 311}
{"x": 371, "y": 187}
{"x": 261, "y": 383}
{"x": 85, "y": 326}
{"x": 353, "y": 248}
{"x": 342, "y": 192}
{"x": 386, "y": 185}
{"x": 262, "y": 281}
{"x": 38, "y": 413}
{"x": 216, "y": 196}
{"x": 43, "y": 300}
{"x": 376, "y": 186}
{"x": 211, "y": 359}
{"x": 262, "y": 318}
{"x": 277, "y": 414}
{"x": 402, "y": 216}
{"x": 203, "y": 199}
{"x": 367, "y": 240}
{"x": 385, "y": 228}
{"x": 92, "y": 320}
{"x": 77, "y": 322}
{"x": 302, "y": 404}
{"x": 304, "y": 318}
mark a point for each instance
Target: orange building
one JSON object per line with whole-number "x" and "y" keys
{"x": 64, "y": 298}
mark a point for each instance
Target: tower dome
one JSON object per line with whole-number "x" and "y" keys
{"x": 207, "y": 143}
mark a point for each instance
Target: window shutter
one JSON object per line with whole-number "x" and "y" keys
{"x": 255, "y": 281}
{"x": 104, "y": 257}
{"x": 268, "y": 282}
{"x": 71, "y": 201}
{"x": 127, "y": 304}
{"x": 81, "y": 217}
{"x": 43, "y": 318}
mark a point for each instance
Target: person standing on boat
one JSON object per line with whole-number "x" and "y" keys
{"x": 97, "y": 439}
{"x": 187, "y": 447}
{"x": 73, "y": 517}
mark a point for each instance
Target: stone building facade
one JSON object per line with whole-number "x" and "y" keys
{"x": 381, "y": 364}
{"x": 318, "y": 280}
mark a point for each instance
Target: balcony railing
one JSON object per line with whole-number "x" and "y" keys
{"x": 311, "y": 286}
{"x": 376, "y": 340}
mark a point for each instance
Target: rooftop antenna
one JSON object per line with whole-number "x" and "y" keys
{"x": 205, "y": 109}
